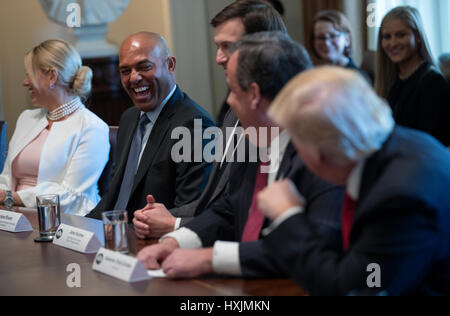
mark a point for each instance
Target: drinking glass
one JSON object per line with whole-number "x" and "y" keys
{"x": 49, "y": 216}
{"x": 115, "y": 225}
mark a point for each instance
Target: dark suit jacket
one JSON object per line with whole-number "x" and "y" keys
{"x": 402, "y": 223}
{"x": 217, "y": 183}
{"x": 173, "y": 184}
{"x": 226, "y": 218}
{"x": 423, "y": 102}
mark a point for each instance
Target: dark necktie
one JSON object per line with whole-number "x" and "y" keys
{"x": 348, "y": 214}
{"x": 255, "y": 219}
{"x": 132, "y": 165}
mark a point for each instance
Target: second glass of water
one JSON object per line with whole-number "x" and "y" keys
{"x": 49, "y": 216}
{"x": 115, "y": 225}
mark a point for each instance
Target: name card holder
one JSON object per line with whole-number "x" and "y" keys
{"x": 14, "y": 222}
{"x": 76, "y": 239}
{"x": 120, "y": 266}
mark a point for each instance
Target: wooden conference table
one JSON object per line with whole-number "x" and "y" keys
{"x": 29, "y": 268}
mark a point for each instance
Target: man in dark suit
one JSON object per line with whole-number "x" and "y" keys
{"x": 230, "y": 228}
{"x": 396, "y": 214}
{"x": 230, "y": 25}
{"x": 143, "y": 162}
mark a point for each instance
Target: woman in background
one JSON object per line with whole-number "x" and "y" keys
{"x": 331, "y": 40}
{"x": 62, "y": 147}
{"x": 407, "y": 77}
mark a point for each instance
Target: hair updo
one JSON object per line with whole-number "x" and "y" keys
{"x": 62, "y": 57}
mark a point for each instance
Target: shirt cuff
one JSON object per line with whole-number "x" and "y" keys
{"x": 185, "y": 237}
{"x": 177, "y": 223}
{"x": 282, "y": 218}
{"x": 226, "y": 258}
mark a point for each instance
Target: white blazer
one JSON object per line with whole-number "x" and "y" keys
{"x": 72, "y": 160}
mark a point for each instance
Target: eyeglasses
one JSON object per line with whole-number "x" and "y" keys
{"x": 326, "y": 37}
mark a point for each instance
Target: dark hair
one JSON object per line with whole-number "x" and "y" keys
{"x": 269, "y": 59}
{"x": 278, "y": 5}
{"x": 340, "y": 22}
{"x": 256, "y": 15}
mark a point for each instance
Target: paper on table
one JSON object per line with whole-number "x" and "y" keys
{"x": 157, "y": 273}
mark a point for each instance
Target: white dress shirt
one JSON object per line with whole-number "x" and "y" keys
{"x": 226, "y": 254}
{"x": 153, "y": 117}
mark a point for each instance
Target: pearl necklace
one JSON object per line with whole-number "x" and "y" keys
{"x": 64, "y": 110}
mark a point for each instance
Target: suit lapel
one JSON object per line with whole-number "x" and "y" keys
{"x": 229, "y": 121}
{"x": 28, "y": 136}
{"x": 159, "y": 131}
{"x": 286, "y": 163}
{"x": 130, "y": 128}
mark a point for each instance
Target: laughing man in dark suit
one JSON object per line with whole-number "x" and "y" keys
{"x": 143, "y": 162}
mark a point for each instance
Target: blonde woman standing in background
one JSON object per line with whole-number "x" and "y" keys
{"x": 61, "y": 147}
{"x": 406, "y": 75}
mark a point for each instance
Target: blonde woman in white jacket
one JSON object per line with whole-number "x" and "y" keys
{"x": 62, "y": 147}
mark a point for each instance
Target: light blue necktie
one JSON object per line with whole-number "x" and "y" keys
{"x": 132, "y": 165}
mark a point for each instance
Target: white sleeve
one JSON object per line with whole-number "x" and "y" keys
{"x": 186, "y": 238}
{"x": 226, "y": 258}
{"x": 78, "y": 191}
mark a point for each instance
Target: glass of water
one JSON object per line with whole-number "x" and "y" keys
{"x": 115, "y": 225}
{"x": 49, "y": 216}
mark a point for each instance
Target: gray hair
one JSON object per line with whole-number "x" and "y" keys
{"x": 269, "y": 59}
{"x": 335, "y": 110}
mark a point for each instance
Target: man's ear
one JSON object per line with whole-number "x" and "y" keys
{"x": 255, "y": 94}
{"x": 171, "y": 63}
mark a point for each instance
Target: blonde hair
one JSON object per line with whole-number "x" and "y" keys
{"x": 387, "y": 71}
{"x": 62, "y": 57}
{"x": 337, "y": 111}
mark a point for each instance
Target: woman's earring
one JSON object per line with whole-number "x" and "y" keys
{"x": 52, "y": 86}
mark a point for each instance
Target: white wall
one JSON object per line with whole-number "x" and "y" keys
{"x": 191, "y": 48}
{"x": 1, "y": 99}
{"x": 353, "y": 9}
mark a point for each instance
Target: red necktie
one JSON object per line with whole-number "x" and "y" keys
{"x": 255, "y": 219}
{"x": 348, "y": 213}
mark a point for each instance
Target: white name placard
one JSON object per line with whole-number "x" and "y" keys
{"x": 76, "y": 239}
{"x": 120, "y": 266}
{"x": 14, "y": 222}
